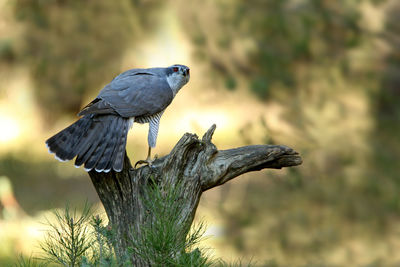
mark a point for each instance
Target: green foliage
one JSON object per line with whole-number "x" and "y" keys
{"x": 83, "y": 240}
{"x": 161, "y": 240}
{"x": 101, "y": 249}
{"x": 68, "y": 240}
{"x": 278, "y": 38}
{"x": 6, "y": 50}
{"x": 78, "y": 240}
{"x": 28, "y": 262}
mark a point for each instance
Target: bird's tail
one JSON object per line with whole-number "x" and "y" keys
{"x": 97, "y": 141}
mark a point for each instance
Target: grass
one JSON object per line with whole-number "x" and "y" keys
{"x": 82, "y": 239}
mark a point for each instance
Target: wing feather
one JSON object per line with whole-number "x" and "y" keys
{"x": 134, "y": 94}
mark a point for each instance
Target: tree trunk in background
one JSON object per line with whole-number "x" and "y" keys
{"x": 195, "y": 163}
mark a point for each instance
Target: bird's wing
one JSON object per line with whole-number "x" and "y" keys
{"x": 131, "y": 94}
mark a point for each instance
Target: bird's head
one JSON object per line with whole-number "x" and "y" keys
{"x": 177, "y": 76}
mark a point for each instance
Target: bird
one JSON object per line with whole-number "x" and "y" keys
{"x": 98, "y": 138}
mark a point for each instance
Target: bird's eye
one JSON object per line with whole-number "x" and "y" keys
{"x": 188, "y": 71}
{"x": 175, "y": 69}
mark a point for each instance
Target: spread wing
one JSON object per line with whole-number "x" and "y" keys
{"x": 133, "y": 93}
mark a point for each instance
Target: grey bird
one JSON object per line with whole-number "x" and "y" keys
{"x": 98, "y": 138}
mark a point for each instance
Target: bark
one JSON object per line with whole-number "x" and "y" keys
{"x": 196, "y": 163}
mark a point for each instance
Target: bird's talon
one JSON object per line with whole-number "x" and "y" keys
{"x": 149, "y": 162}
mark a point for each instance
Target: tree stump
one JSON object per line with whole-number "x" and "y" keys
{"x": 196, "y": 163}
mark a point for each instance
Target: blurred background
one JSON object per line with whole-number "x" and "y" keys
{"x": 322, "y": 77}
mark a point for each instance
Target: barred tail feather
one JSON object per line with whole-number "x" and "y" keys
{"x": 90, "y": 144}
{"x": 118, "y": 157}
{"x": 114, "y": 152}
{"x": 63, "y": 144}
{"x": 87, "y": 140}
{"x": 113, "y": 138}
{"x": 97, "y": 149}
{"x": 98, "y": 142}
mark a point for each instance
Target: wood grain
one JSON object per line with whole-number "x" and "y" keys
{"x": 195, "y": 162}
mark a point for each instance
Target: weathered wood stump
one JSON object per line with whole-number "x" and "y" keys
{"x": 196, "y": 163}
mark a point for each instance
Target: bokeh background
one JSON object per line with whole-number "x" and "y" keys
{"x": 320, "y": 76}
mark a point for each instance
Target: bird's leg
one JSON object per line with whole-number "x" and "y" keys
{"x": 147, "y": 161}
{"x": 151, "y": 138}
{"x": 149, "y": 153}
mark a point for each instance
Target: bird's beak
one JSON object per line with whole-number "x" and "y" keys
{"x": 186, "y": 72}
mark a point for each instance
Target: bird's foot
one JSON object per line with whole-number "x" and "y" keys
{"x": 148, "y": 161}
